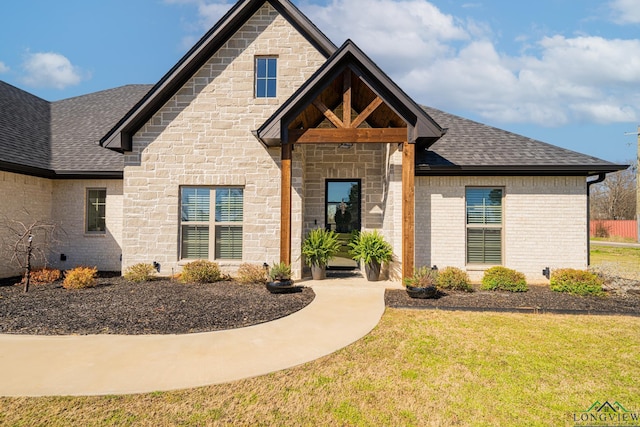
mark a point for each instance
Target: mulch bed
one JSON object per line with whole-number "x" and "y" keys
{"x": 116, "y": 306}
{"x": 538, "y": 299}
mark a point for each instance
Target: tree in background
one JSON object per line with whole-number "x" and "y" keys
{"x": 615, "y": 197}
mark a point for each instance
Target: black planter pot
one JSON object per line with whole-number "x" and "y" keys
{"x": 423, "y": 293}
{"x": 282, "y": 287}
{"x": 372, "y": 270}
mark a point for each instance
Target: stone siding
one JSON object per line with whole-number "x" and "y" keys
{"x": 372, "y": 164}
{"x": 328, "y": 161}
{"x": 202, "y": 136}
{"x": 544, "y": 223}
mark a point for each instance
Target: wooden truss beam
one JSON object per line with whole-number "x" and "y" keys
{"x": 364, "y": 115}
{"x": 346, "y": 99}
{"x": 339, "y": 136}
{"x": 328, "y": 113}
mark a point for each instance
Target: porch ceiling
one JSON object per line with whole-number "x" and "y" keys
{"x": 362, "y": 100}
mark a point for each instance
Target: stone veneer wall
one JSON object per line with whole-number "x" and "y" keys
{"x": 328, "y": 161}
{"x": 81, "y": 248}
{"x": 544, "y": 225}
{"x": 373, "y": 165}
{"x": 202, "y": 136}
{"x": 26, "y": 199}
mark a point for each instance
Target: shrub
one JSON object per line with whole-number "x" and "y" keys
{"x": 370, "y": 246}
{"x": 280, "y": 271}
{"x": 504, "y": 279}
{"x": 139, "y": 273}
{"x": 455, "y": 279}
{"x": 42, "y": 276}
{"x": 201, "y": 272}
{"x": 80, "y": 278}
{"x": 320, "y": 246}
{"x": 422, "y": 278}
{"x": 251, "y": 273}
{"x": 576, "y": 282}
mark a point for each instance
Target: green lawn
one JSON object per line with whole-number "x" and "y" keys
{"x": 626, "y": 259}
{"x": 416, "y": 368}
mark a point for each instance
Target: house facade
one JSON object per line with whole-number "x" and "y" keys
{"x": 265, "y": 130}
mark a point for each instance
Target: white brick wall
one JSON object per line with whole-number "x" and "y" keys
{"x": 69, "y": 210}
{"x": 544, "y": 223}
{"x": 202, "y": 136}
{"x": 26, "y": 199}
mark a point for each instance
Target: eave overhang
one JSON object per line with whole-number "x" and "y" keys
{"x": 421, "y": 128}
{"x": 518, "y": 170}
{"x": 120, "y": 136}
{"x": 50, "y": 174}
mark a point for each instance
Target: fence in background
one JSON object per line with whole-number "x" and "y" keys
{"x": 619, "y": 228}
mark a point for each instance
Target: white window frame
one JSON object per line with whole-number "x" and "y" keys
{"x": 484, "y": 226}
{"x": 266, "y": 78}
{"x": 211, "y": 223}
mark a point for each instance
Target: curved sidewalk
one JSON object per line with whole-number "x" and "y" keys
{"x": 342, "y": 312}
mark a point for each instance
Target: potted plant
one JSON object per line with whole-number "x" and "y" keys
{"x": 318, "y": 248}
{"x": 423, "y": 283}
{"x": 371, "y": 248}
{"x": 280, "y": 278}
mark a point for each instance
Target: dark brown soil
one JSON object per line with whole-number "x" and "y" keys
{"x": 538, "y": 299}
{"x": 116, "y": 306}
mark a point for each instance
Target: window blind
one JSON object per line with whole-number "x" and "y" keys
{"x": 484, "y": 225}
{"x": 195, "y": 241}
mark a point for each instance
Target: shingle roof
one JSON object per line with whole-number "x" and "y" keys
{"x": 472, "y": 148}
{"x": 24, "y": 130}
{"x": 79, "y": 123}
{"x": 61, "y": 139}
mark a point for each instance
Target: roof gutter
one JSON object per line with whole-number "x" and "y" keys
{"x": 601, "y": 177}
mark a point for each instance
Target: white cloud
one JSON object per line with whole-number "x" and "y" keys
{"x": 209, "y": 13}
{"x": 392, "y": 32}
{"x": 452, "y": 63}
{"x": 4, "y": 68}
{"x": 626, "y": 11}
{"x": 49, "y": 69}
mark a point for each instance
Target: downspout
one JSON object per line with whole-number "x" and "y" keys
{"x": 601, "y": 177}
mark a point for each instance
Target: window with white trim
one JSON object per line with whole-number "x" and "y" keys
{"x": 266, "y": 73}
{"x": 203, "y": 234}
{"x": 484, "y": 225}
{"x": 96, "y": 210}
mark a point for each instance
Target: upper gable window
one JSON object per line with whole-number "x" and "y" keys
{"x": 266, "y": 77}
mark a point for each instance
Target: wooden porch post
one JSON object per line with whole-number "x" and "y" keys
{"x": 285, "y": 205}
{"x": 408, "y": 209}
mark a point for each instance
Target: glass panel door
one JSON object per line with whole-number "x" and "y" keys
{"x": 342, "y": 215}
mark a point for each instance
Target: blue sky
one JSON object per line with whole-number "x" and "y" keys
{"x": 563, "y": 71}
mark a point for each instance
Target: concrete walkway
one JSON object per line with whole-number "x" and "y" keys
{"x": 343, "y": 311}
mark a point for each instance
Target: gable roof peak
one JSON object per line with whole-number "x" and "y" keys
{"x": 119, "y": 137}
{"x": 421, "y": 127}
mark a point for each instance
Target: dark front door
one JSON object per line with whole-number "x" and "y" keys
{"x": 343, "y": 215}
